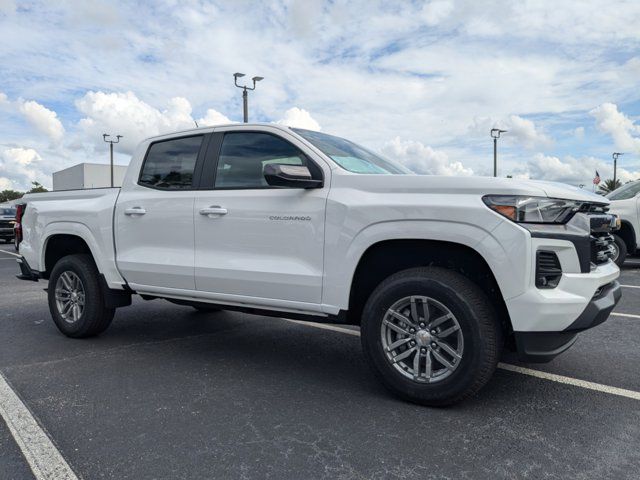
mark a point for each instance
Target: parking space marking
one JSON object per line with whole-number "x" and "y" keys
{"x": 630, "y": 286}
{"x": 10, "y": 253}
{"x": 616, "y": 314}
{"x": 621, "y": 392}
{"x": 43, "y": 457}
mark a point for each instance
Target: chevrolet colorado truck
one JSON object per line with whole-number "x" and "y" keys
{"x": 440, "y": 273}
{"x": 625, "y": 203}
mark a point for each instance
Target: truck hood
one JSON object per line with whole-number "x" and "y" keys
{"x": 464, "y": 185}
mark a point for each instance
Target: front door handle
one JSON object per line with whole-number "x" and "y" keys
{"x": 135, "y": 211}
{"x": 213, "y": 210}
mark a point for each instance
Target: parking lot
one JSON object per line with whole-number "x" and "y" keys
{"x": 171, "y": 393}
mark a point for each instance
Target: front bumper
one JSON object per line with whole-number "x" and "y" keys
{"x": 544, "y": 346}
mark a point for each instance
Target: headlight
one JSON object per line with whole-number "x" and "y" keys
{"x": 523, "y": 209}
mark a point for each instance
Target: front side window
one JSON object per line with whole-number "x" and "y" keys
{"x": 243, "y": 156}
{"x": 628, "y": 190}
{"x": 350, "y": 156}
{"x": 170, "y": 164}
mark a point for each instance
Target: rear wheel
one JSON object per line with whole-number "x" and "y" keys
{"x": 619, "y": 250}
{"x": 431, "y": 336}
{"x": 76, "y": 300}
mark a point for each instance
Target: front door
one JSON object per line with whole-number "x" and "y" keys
{"x": 253, "y": 240}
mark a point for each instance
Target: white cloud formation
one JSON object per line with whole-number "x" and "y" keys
{"x": 520, "y": 131}
{"x": 621, "y": 128}
{"x": 422, "y": 158}
{"x": 42, "y": 119}
{"x": 212, "y": 118}
{"x": 19, "y": 167}
{"x": 3, "y": 99}
{"x": 123, "y": 113}
{"x": 572, "y": 170}
{"x": 299, "y": 117}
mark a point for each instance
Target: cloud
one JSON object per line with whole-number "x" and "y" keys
{"x": 422, "y": 158}
{"x": 42, "y": 119}
{"x": 572, "y": 170}
{"x": 520, "y": 131}
{"x": 123, "y": 113}
{"x": 436, "y": 11}
{"x": 213, "y": 118}
{"x": 3, "y": 99}
{"x": 19, "y": 167}
{"x": 300, "y": 118}
{"x": 615, "y": 123}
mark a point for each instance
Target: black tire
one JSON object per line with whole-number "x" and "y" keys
{"x": 621, "y": 250}
{"x": 482, "y": 334}
{"x": 95, "y": 317}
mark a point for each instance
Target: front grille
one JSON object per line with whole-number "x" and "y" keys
{"x": 594, "y": 208}
{"x": 548, "y": 269}
{"x": 6, "y": 224}
{"x": 601, "y": 248}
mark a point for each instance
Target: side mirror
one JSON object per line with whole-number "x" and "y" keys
{"x": 292, "y": 176}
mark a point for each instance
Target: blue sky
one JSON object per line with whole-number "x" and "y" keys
{"x": 423, "y": 82}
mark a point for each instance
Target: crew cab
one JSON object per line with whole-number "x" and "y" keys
{"x": 625, "y": 203}
{"x": 440, "y": 273}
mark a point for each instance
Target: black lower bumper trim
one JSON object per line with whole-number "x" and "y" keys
{"x": 541, "y": 347}
{"x": 25, "y": 271}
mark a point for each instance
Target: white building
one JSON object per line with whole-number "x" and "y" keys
{"x": 88, "y": 175}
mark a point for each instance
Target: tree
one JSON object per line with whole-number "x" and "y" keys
{"x": 37, "y": 188}
{"x": 608, "y": 186}
{"x": 8, "y": 195}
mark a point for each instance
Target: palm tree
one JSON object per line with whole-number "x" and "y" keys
{"x": 608, "y": 186}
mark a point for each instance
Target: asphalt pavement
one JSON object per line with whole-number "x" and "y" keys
{"x": 168, "y": 392}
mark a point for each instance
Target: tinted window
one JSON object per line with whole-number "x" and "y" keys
{"x": 244, "y": 155}
{"x": 350, "y": 156}
{"x": 170, "y": 164}
{"x": 628, "y": 190}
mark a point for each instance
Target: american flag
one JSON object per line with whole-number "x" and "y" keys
{"x": 596, "y": 179}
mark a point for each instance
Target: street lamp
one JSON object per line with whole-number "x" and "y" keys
{"x": 495, "y": 134}
{"x": 111, "y": 142}
{"x": 245, "y": 106}
{"x": 615, "y": 164}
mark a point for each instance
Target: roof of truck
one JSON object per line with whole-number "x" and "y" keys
{"x": 212, "y": 127}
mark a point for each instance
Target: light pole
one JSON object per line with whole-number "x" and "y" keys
{"x": 245, "y": 102}
{"x": 495, "y": 134}
{"x": 111, "y": 142}
{"x": 615, "y": 165}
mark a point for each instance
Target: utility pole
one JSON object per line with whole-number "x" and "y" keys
{"x": 245, "y": 97}
{"x": 495, "y": 134}
{"x": 615, "y": 165}
{"x": 111, "y": 142}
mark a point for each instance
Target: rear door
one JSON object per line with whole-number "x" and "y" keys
{"x": 154, "y": 217}
{"x": 253, "y": 240}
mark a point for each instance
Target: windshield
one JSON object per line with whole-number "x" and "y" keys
{"x": 628, "y": 190}
{"x": 350, "y": 156}
{"x": 8, "y": 212}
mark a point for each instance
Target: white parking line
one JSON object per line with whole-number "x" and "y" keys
{"x": 10, "y": 253}
{"x": 630, "y": 286}
{"x": 621, "y": 392}
{"x": 615, "y": 314}
{"x": 43, "y": 457}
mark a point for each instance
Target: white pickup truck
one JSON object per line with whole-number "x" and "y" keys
{"x": 625, "y": 203}
{"x": 440, "y": 273}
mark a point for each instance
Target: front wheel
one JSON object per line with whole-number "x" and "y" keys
{"x": 76, "y": 300}
{"x": 619, "y": 250}
{"x": 431, "y": 336}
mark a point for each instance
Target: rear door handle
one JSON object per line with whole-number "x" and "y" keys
{"x": 135, "y": 211}
{"x": 213, "y": 210}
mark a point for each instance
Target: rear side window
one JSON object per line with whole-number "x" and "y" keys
{"x": 243, "y": 156}
{"x": 170, "y": 164}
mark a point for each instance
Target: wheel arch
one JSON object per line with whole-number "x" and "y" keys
{"x": 628, "y": 235}
{"x": 387, "y": 257}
